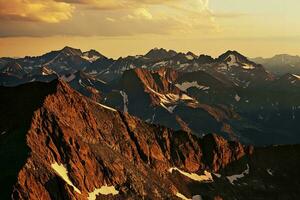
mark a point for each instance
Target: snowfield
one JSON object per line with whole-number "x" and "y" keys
{"x": 238, "y": 176}
{"x": 170, "y": 99}
{"x": 296, "y": 76}
{"x": 106, "y": 107}
{"x": 181, "y": 196}
{"x": 104, "y": 190}
{"x": 201, "y": 178}
{"x": 63, "y": 173}
{"x": 237, "y": 98}
{"x": 186, "y": 85}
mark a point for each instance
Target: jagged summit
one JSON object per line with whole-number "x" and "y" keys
{"x": 71, "y": 51}
{"x": 13, "y": 68}
{"x": 233, "y": 55}
{"x": 160, "y": 53}
{"x": 69, "y": 146}
{"x": 93, "y": 55}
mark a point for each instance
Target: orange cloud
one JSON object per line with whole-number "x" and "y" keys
{"x": 35, "y": 10}
{"x": 115, "y": 17}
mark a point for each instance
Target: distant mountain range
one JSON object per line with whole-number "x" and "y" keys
{"x": 229, "y": 95}
{"x": 57, "y": 144}
{"x": 280, "y": 64}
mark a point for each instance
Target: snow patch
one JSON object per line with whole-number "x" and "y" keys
{"x": 186, "y": 85}
{"x": 201, "y": 178}
{"x": 161, "y": 64}
{"x": 238, "y": 176}
{"x": 237, "y": 98}
{"x": 197, "y": 197}
{"x": 189, "y": 57}
{"x": 270, "y": 172}
{"x": 63, "y": 173}
{"x": 80, "y": 82}
{"x": 233, "y": 60}
{"x": 296, "y": 76}
{"x": 186, "y": 97}
{"x": 170, "y": 99}
{"x": 170, "y": 109}
{"x": 107, "y": 107}
{"x": 181, "y": 196}
{"x": 104, "y": 190}
{"x": 90, "y": 59}
{"x": 125, "y": 101}
{"x": 247, "y": 66}
{"x": 217, "y": 175}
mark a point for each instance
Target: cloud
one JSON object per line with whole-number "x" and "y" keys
{"x": 115, "y": 4}
{"x": 35, "y": 10}
{"x": 107, "y": 18}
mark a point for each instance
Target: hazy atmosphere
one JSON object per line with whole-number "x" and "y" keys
{"x": 128, "y": 27}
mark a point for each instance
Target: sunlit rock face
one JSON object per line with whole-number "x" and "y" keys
{"x": 85, "y": 149}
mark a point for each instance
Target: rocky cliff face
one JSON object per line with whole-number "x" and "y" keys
{"x": 70, "y": 147}
{"x": 154, "y": 97}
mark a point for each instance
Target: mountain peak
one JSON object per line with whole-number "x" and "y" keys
{"x": 92, "y": 55}
{"x": 71, "y": 51}
{"x": 202, "y": 59}
{"x": 231, "y": 52}
{"x": 13, "y": 67}
{"x": 160, "y": 54}
{"x": 234, "y": 58}
{"x": 189, "y": 53}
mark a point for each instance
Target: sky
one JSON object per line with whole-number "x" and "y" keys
{"x": 130, "y": 27}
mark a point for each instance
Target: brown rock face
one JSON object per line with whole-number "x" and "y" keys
{"x": 218, "y": 152}
{"x": 97, "y": 146}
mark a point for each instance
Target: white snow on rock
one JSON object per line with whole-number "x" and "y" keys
{"x": 189, "y": 57}
{"x": 104, "y": 190}
{"x": 186, "y": 97}
{"x": 107, "y": 107}
{"x": 169, "y": 98}
{"x": 201, "y": 178}
{"x": 90, "y": 59}
{"x": 296, "y": 76}
{"x": 238, "y": 176}
{"x": 63, "y": 173}
{"x": 181, "y": 196}
{"x": 186, "y": 85}
{"x": 233, "y": 60}
{"x": 170, "y": 109}
{"x": 125, "y": 101}
{"x": 217, "y": 175}
{"x": 160, "y": 64}
{"x": 80, "y": 82}
{"x": 197, "y": 197}
{"x": 237, "y": 98}
{"x": 68, "y": 78}
{"x": 270, "y": 172}
{"x": 247, "y": 66}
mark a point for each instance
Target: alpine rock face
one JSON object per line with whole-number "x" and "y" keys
{"x": 229, "y": 95}
{"x": 280, "y": 64}
{"x": 64, "y": 145}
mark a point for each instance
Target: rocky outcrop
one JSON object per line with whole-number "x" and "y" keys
{"x": 96, "y": 146}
